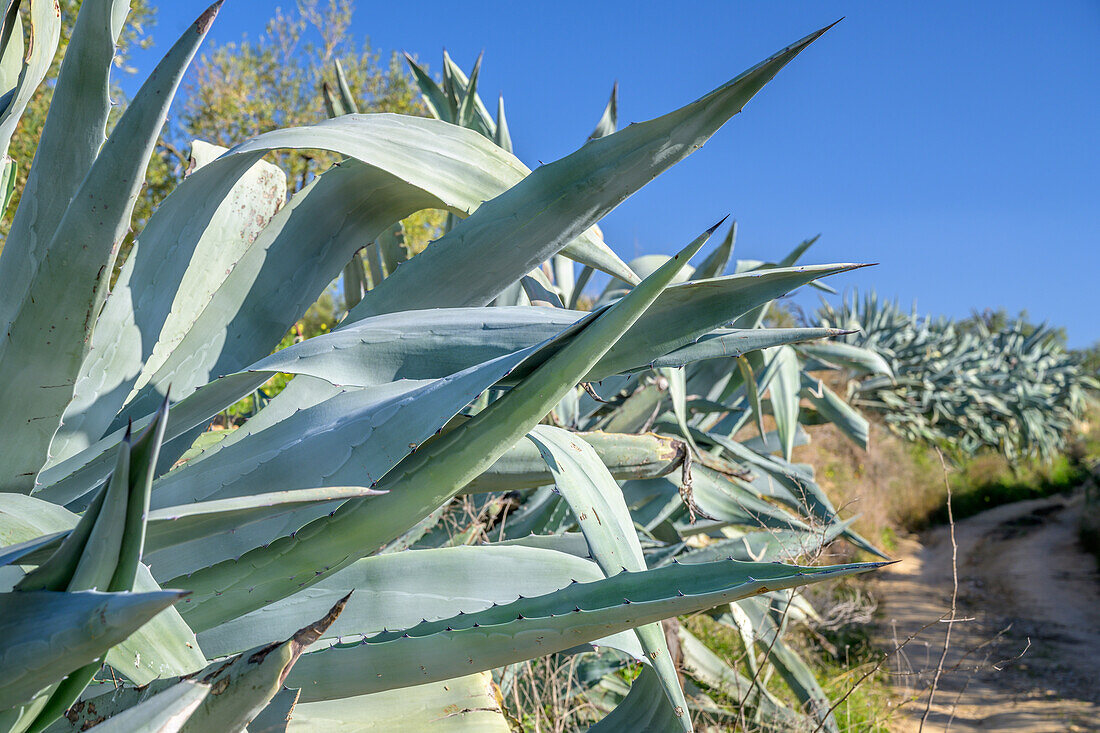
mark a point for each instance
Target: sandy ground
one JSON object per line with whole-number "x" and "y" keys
{"x": 1026, "y": 654}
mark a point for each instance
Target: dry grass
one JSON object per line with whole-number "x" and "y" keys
{"x": 543, "y": 697}
{"x": 896, "y": 486}
{"x": 893, "y": 485}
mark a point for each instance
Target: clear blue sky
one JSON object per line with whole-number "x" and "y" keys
{"x": 955, "y": 143}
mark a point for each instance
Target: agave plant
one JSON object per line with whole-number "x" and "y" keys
{"x": 1014, "y": 391}
{"x": 736, "y": 500}
{"x": 755, "y": 505}
{"x": 420, "y": 395}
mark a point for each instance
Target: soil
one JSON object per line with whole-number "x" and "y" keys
{"x": 1025, "y": 652}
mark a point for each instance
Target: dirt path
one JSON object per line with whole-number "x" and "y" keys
{"x": 1027, "y": 657}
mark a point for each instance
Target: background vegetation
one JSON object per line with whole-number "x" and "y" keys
{"x": 803, "y": 655}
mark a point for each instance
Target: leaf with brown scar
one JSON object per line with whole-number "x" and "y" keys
{"x": 240, "y": 686}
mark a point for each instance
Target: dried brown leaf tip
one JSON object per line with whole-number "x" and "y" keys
{"x": 202, "y": 25}
{"x": 311, "y": 633}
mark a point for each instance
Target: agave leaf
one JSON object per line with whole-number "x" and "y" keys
{"x": 125, "y": 335}
{"x": 644, "y": 266}
{"x": 796, "y": 480}
{"x": 23, "y": 551}
{"x": 626, "y": 456}
{"x": 448, "y": 81}
{"x": 11, "y": 51}
{"x": 859, "y": 359}
{"x": 785, "y": 394}
{"x": 609, "y": 120}
{"x": 401, "y": 589}
{"x": 463, "y": 87}
{"x": 347, "y": 99}
{"x": 382, "y": 426}
{"x": 677, "y": 392}
{"x": 49, "y": 634}
{"x": 25, "y": 519}
{"x": 800, "y": 678}
{"x": 637, "y": 412}
{"x": 434, "y": 98}
{"x": 567, "y": 412}
{"x": 176, "y": 525}
{"x": 542, "y": 514}
{"x": 463, "y": 704}
{"x": 165, "y": 712}
{"x": 731, "y": 500}
{"x": 51, "y": 325}
{"x": 391, "y": 247}
{"x": 425, "y": 479}
{"x": 788, "y": 482}
{"x": 539, "y": 290}
{"x": 403, "y": 347}
{"x": 571, "y": 543}
{"x": 467, "y": 108}
{"x": 834, "y": 409}
{"x": 736, "y": 342}
{"x": 104, "y": 550}
{"x": 726, "y": 499}
{"x": 767, "y": 442}
{"x": 503, "y": 138}
{"x": 748, "y": 379}
{"x": 431, "y": 344}
{"x": 686, "y": 312}
{"x": 796, "y": 254}
{"x": 275, "y": 718}
{"x": 8, "y": 174}
{"x": 375, "y": 269}
{"x": 644, "y": 709}
{"x": 333, "y": 106}
{"x": 511, "y": 234}
{"x": 435, "y": 165}
{"x": 165, "y": 646}
{"x": 538, "y": 626}
{"x": 788, "y": 664}
{"x": 716, "y": 262}
{"x": 355, "y": 280}
{"x": 578, "y": 286}
{"x": 240, "y": 687}
{"x": 597, "y": 502}
{"x": 790, "y": 259}
{"x": 768, "y": 545}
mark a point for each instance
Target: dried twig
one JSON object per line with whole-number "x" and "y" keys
{"x": 768, "y": 652}
{"x": 954, "y": 597}
{"x": 896, "y": 651}
{"x": 587, "y": 387}
{"x": 999, "y": 666}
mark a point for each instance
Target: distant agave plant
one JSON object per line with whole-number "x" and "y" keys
{"x": 1015, "y": 392}
{"x": 301, "y": 603}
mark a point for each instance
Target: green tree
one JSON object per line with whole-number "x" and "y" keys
{"x": 1089, "y": 358}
